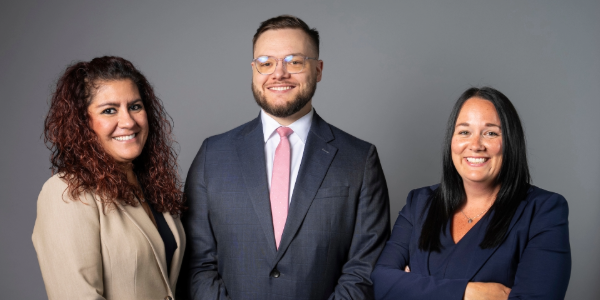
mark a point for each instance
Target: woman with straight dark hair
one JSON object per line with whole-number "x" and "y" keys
{"x": 108, "y": 222}
{"x": 484, "y": 232}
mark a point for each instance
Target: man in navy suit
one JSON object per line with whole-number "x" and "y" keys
{"x": 285, "y": 206}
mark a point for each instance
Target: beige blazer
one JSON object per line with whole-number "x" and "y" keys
{"x": 85, "y": 253}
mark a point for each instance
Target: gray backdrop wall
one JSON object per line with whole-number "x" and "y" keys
{"x": 392, "y": 70}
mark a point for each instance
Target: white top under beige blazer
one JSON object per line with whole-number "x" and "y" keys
{"x": 86, "y": 252}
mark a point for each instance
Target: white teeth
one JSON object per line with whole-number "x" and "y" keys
{"x": 476, "y": 160}
{"x": 280, "y": 88}
{"x": 124, "y": 138}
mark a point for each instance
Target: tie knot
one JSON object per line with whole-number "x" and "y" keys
{"x": 284, "y": 131}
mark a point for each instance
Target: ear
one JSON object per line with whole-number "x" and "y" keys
{"x": 319, "y": 69}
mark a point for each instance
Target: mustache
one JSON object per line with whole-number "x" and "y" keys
{"x": 281, "y": 82}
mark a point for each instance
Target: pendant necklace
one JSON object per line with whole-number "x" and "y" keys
{"x": 470, "y": 220}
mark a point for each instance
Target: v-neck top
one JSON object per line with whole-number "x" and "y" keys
{"x": 452, "y": 257}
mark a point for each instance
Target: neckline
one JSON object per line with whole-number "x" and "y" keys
{"x": 482, "y": 219}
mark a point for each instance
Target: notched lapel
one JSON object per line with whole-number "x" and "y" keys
{"x": 250, "y": 148}
{"x": 317, "y": 158}
{"x": 177, "y": 230}
{"x": 138, "y": 216}
{"x": 481, "y": 256}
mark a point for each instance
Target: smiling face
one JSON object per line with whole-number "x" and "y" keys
{"x": 283, "y": 95}
{"x": 477, "y": 142}
{"x": 118, "y": 117}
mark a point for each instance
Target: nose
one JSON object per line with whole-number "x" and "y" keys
{"x": 476, "y": 143}
{"x": 280, "y": 71}
{"x": 126, "y": 120}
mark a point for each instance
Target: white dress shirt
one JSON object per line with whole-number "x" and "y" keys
{"x": 297, "y": 141}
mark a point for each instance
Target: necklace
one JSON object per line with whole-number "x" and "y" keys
{"x": 470, "y": 220}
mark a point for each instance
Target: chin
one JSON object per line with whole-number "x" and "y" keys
{"x": 127, "y": 157}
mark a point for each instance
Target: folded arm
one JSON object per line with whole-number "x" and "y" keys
{"x": 544, "y": 269}
{"x": 391, "y": 281}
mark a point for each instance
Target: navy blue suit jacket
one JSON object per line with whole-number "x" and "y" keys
{"x": 534, "y": 260}
{"x": 337, "y": 225}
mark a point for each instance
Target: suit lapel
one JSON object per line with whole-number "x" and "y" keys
{"x": 250, "y": 147}
{"x": 177, "y": 230}
{"x": 480, "y": 257}
{"x": 316, "y": 159}
{"x": 138, "y": 216}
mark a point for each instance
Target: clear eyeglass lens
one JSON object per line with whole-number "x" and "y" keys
{"x": 294, "y": 64}
{"x": 267, "y": 64}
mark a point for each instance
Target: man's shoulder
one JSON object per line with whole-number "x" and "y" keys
{"x": 344, "y": 139}
{"x": 236, "y": 133}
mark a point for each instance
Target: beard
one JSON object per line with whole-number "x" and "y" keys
{"x": 289, "y": 108}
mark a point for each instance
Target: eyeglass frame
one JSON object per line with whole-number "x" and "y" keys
{"x": 281, "y": 59}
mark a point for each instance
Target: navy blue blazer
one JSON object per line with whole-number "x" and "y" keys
{"x": 534, "y": 260}
{"x": 337, "y": 225}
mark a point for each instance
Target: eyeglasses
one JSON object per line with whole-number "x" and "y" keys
{"x": 293, "y": 64}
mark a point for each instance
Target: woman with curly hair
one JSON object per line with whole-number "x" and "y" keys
{"x": 108, "y": 222}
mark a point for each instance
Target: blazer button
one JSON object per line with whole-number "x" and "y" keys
{"x": 168, "y": 298}
{"x": 275, "y": 273}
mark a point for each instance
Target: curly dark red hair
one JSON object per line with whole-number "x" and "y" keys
{"x": 80, "y": 159}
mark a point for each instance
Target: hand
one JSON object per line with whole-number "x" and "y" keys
{"x": 407, "y": 269}
{"x": 486, "y": 291}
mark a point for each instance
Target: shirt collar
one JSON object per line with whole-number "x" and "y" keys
{"x": 301, "y": 127}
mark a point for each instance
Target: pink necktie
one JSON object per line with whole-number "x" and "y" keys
{"x": 280, "y": 183}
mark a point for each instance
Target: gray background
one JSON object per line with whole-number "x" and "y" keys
{"x": 392, "y": 70}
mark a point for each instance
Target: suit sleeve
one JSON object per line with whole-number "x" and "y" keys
{"x": 199, "y": 277}
{"x": 66, "y": 237}
{"x": 544, "y": 269}
{"x": 389, "y": 279}
{"x": 371, "y": 231}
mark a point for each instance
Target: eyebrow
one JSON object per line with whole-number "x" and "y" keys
{"x": 297, "y": 53}
{"x": 117, "y": 104}
{"x": 486, "y": 125}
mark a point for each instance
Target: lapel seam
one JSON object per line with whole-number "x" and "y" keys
{"x": 313, "y": 151}
{"x": 176, "y": 234}
{"x": 165, "y": 279}
{"x": 489, "y": 252}
{"x": 245, "y": 142}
